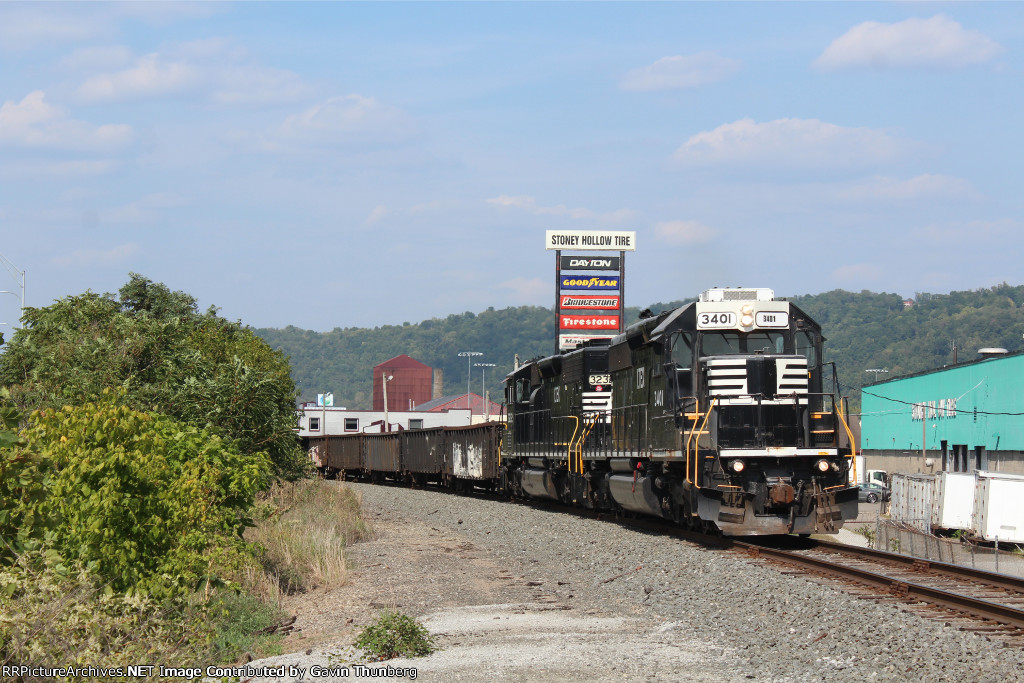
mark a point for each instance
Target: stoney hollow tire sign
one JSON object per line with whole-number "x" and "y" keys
{"x": 600, "y": 315}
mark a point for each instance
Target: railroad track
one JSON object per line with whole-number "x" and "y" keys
{"x": 984, "y": 602}
{"x": 969, "y": 599}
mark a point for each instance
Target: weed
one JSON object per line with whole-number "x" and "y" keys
{"x": 868, "y": 533}
{"x": 393, "y": 635}
{"x": 301, "y": 530}
{"x": 894, "y": 545}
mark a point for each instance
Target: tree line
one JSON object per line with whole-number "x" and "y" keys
{"x": 864, "y": 330}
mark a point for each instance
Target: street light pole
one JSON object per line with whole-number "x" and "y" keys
{"x": 483, "y": 385}
{"x": 387, "y": 423}
{"x": 468, "y": 355}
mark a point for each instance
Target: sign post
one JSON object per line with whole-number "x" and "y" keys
{"x": 589, "y": 304}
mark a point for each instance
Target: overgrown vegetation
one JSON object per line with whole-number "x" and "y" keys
{"x": 394, "y": 634}
{"x": 168, "y": 358}
{"x": 300, "y": 531}
{"x": 135, "y": 437}
{"x": 864, "y": 330}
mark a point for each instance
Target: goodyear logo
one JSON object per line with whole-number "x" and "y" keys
{"x": 590, "y": 282}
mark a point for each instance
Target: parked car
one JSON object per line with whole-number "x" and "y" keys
{"x": 872, "y": 492}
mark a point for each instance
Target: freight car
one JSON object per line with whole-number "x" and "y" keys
{"x": 712, "y": 414}
{"x": 460, "y": 458}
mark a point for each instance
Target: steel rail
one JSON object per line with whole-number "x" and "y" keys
{"x": 902, "y": 589}
{"x": 1010, "y": 583}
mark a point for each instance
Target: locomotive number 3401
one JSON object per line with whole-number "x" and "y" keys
{"x": 713, "y": 320}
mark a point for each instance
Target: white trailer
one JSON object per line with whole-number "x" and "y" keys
{"x": 912, "y": 496}
{"x": 998, "y": 507}
{"x": 953, "y": 500}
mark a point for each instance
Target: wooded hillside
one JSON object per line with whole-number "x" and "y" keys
{"x": 864, "y": 330}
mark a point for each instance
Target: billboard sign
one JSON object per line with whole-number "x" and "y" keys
{"x": 567, "y": 342}
{"x": 588, "y": 282}
{"x": 589, "y": 301}
{"x": 590, "y": 240}
{"x": 589, "y": 263}
{"x": 589, "y": 322}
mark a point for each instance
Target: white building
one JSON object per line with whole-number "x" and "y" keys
{"x": 317, "y": 420}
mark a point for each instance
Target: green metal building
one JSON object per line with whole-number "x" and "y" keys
{"x": 958, "y": 419}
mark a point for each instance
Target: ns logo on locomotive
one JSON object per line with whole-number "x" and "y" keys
{"x": 712, "y": 414}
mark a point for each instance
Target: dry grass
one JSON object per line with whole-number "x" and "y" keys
{"x": 303, "y": 529}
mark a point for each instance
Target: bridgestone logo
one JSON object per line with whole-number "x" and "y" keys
{"x": 596, "y": 302}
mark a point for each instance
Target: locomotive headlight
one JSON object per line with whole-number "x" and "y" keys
{"x": 822, "y": 465}
{"x": 738, "y": 466}
{"x": 746, "y": 315}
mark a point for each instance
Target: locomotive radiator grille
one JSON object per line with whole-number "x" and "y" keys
{"x": 743, "y": 379}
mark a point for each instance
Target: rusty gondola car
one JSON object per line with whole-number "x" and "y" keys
{"x": 455, "y": 457}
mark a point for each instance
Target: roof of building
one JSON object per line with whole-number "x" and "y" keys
{"x": 944, "y": 368}
{"x": 472, "y": 401}
{"x": 402, "y": 361}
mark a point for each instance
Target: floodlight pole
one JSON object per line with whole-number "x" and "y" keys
{"x": 468, "y": 355}
{"x": 483, "y": 385}
{"x": 20, "y": 281}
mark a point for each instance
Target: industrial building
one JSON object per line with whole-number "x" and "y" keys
{"x": 409, "y": 383}
{"x": 962, "y": 418}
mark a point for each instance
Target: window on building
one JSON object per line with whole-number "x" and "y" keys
{"x": 416, "y": 424}
{"x": 314, "y": 424}
{"x": 351, "y": 424}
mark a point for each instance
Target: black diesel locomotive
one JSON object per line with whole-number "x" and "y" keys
{"x": 712, "y": 414}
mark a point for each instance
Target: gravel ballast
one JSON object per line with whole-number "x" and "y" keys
{"x": 524, "y": 593}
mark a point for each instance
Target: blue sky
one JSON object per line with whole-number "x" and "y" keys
{"x": 356, "y": 164}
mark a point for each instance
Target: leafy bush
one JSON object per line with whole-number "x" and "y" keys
{"x": 395, "y": 635}
{"x": 49, "y": 616}
{"x": 146, "y": 503}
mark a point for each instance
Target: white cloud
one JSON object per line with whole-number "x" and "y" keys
{"x": 857, "y": 273}
{"x": 97, "y": 257}
{"x": 146, "y": 210}
{"x": 529, "y": 204}
{"x": 347, "y": 119}
{"x": 968, "y": 233}
{"x": 935, "y": 42}
{"x": 212, "y": 69}
{"x": 27, "y": 26}
{"x": 378, "y": 212}
{"x": 790, "y": 143}
{"x": 150, "y": 76}
{"x": 924, "y": 186}
{"x": 679, "y": 233}
{"x": 527, "y": 289}
{"x": 35, "y": 123}
{"x": 669, "y": 73}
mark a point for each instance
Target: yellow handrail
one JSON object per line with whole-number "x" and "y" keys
{"x": 707, "y": 416}
{"x": 849, "y": 434}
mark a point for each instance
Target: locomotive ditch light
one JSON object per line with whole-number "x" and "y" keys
{"x": 737, "y": 466}
{"x": 822, "y": 465}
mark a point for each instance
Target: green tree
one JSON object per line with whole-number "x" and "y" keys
{"x": 168, "y": 358}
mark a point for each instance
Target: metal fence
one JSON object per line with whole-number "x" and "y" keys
{"x": 906, "y": 540}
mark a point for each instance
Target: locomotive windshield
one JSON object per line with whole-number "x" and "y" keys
{"x": 726, "y": 343}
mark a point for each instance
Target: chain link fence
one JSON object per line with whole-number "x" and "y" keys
{"x": 1005, "y": 558}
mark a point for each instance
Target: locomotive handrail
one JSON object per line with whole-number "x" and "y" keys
{"x": 849, "y": 434}
{"x": 697, "y": 446}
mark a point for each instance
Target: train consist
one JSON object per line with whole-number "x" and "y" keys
{"x": 712, "y": 415}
